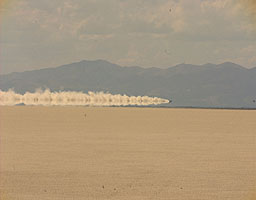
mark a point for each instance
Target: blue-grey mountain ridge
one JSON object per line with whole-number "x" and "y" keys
{"x": 209, "y": 85}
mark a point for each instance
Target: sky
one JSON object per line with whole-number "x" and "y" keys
{"x": 38, "y": 34}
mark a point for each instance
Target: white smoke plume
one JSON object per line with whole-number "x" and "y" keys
{"x": 68, "y": 98}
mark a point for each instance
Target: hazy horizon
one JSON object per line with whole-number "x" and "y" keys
{"x": 224, "y": 85}
{"x": 144, "y": 67}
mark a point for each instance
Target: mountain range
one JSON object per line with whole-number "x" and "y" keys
{"x": 209, "y": 85}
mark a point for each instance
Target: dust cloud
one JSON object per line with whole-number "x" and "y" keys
{"x": 69, "y": 98}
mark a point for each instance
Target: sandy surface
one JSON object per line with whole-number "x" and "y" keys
{"x": 127, "y": 154}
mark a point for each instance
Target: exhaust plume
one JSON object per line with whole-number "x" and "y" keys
{"x": 68, "y": 98}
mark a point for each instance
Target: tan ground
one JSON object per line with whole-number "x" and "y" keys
{"x": 127, "y": 154}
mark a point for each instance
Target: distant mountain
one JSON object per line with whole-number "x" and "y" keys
{"x": 209, "y": 85}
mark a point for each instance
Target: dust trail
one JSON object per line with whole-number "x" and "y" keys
{"x": 48, "y": 98}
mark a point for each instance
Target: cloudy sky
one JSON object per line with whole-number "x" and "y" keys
{"x": 47, "y": 33}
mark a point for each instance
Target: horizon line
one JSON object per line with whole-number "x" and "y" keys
{"x": 143, "y": 67}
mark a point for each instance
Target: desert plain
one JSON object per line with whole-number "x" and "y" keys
{"x": 95, "y": 153}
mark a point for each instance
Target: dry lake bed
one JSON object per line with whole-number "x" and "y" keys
{"x": 83, "y": 153}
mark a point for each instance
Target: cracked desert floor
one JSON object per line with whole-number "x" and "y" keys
{"x": 81, "y": 153}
